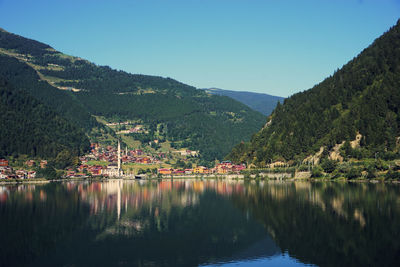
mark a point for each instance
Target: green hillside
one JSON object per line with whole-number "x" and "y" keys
{"x": 362, "y": 97}
{"x": 31, "y": 128}
{"x": 79, "y": 90}
{"x": 23, "y": 77}
{"x": 262, "y": 103}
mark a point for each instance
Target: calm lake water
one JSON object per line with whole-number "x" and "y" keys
{"x": 199, "y": 223}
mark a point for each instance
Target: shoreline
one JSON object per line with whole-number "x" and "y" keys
{"x": 194, "y": 177}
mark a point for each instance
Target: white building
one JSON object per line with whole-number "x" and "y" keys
{"x": 111, "y": 171}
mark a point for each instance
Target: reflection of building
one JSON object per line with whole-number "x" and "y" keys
{"x": 123, "y": 198}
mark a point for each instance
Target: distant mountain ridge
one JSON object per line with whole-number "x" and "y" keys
{"x": 361, "y": 101}
{"x": 263, "y": 103}
{"x": 79, "y": 90}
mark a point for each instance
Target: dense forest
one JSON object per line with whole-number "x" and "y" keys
{"x": 25, "y": 78}
{"x": 210, "y": 124}
{"x": 31, "y": 128}
{"x": 362, "y": 97}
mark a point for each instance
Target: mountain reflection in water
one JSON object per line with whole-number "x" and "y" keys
{"x": 193, "y": 222}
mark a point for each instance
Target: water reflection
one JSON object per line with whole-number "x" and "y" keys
{"x": 192, "y": 223}
{"x": 330, "y": 224}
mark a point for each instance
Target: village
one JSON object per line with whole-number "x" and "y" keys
{"x": 117, "y": 158}
{"x": 8, "y": 172}
{"x": 112, "y": 162}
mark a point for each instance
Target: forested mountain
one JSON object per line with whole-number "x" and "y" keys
{"x": 262, "y": 103}
{"x": 30, "y": 127}
{"x": 23, "y": 77}
{"x": 78, "y": 89}
{"x": 362, "y": 97}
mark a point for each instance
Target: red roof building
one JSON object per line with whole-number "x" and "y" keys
{"x": 3, "y": 162}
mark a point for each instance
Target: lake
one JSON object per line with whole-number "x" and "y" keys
{"x": 200, "y": 223}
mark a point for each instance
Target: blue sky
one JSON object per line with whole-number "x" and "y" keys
{"x": 278, "y": 47}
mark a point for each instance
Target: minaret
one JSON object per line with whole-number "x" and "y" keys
{"x": 119, "y": 158}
